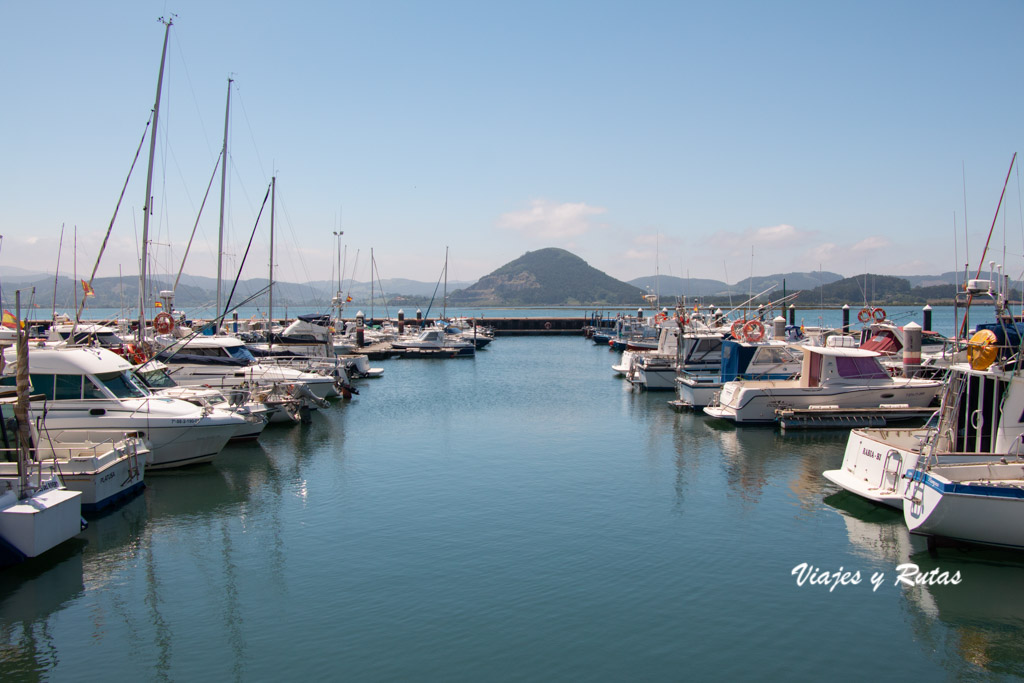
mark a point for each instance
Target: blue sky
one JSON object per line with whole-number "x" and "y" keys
{"x": 697, "y": 139}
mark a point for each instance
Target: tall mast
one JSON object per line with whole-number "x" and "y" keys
{"x": 223, "y": 187}
{"x": 270, "y": 292}
{"x": 146, "y": 208}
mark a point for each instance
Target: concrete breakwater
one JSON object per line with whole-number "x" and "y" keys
{"x": 548, "y": 326}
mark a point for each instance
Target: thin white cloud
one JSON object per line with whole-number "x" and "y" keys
{"x": 550, "y": 220}
{"x": 871, "y": 243}
{"x": 773, "y": 236}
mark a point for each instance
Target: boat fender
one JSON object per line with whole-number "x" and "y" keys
{"x": 864, "y": 315}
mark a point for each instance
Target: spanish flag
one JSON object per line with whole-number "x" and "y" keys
{"x": 9, "y": 321}
{"x": 158, "y": 304}
{"x": 348, "y": 299}
{"x": 87, "y": 289}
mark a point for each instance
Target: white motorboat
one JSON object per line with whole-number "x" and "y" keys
{"x": 981, "y": 419}
{"x": 656, "y": 370}
{"x": 830, "y": 379}
{"x": 92, "y": 394}
{"x": 224, "y": 362}
{"x": 433, "y": 342}
{"x": 467, "y": 330}
{"x": 104, "y": 473}
{"x": 767, "y": 360}
{"x": 239, "y": 401}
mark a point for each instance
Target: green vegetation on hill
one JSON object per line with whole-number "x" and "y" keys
{"x": 547, "y": 277}
{"x": 881, "y": 289}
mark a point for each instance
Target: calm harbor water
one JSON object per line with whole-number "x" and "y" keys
{"x": 518, "y": 516}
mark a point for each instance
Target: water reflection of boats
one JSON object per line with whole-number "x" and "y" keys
{"x": 29, "y": 594}
{"x": 754, "y": 455}
{"x": 982, "y": 611}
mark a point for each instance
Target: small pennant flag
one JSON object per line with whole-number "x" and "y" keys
{"x": 9, "y": 321}
{"x": 87, "y": 289}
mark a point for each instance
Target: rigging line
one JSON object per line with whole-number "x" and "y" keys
{"x": 181, "y": 343}
{"x": 196, "y": 225}
{"x": 383, "y": 296}
{"x": 117, "y": 207}
{"x": 352, "y": 275}
{"x": 60, "y": 247}
{"x": 427, "y": 314}
{"x": 192, "y": 89}
{"x": 296, "y": 252}
{"x": 981, "y": 263}
{"x": 238, "y": 274}
{"x": 248, "y": 125}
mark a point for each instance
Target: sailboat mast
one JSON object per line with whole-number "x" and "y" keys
{"x": 270, "y": 291}
{"x": 22, "y": 404}
{"x": 146, "y": 208}
{"x": 444, "y": 300}
{"x": 223, "y": 188}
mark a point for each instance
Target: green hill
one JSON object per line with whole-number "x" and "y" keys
{"x": 547, "y": 277}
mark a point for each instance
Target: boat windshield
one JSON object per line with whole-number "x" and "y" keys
{"x": 123, "y": 385}
{"x": 156, "y": 379}
{"x": 241, "y": 353}
{"x": 859, "y": 367}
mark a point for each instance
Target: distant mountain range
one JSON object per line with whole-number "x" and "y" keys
{"x": 546, "y": 277}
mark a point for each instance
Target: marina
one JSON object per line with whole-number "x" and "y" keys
{"x": 518, "y": 515}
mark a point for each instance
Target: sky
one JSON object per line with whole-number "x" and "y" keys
{"x": 693, "y": 139}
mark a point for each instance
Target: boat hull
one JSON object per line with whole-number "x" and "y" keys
{"x": 42, "y": 522}
{"x": 981, "y": 504}
{"x": 744, "y": 405}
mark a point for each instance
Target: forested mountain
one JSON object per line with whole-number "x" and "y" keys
{"x": 547, "y": 277}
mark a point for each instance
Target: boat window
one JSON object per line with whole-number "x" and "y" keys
{"x": 92, "y": 391}
{"x": 42, "y": 384}
{"x": 773, "y": 355}
{"x": 68, "y": 387}
{"x": 866, "y": 367}
{"x": 158, "y": 379}
{"x": 241, "y": 353}
{"x": 121, "y": 385}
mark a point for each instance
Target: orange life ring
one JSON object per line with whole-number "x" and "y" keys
{"x": 754, "y": 331}
{"x": 135, "y": 354}
{"x": 163, "y": 323}
{"x": 864, "y": 315}
{"x": 683, "y": 319}
{"x": 878, "y": 314}
{"x": 737, "y": 329}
